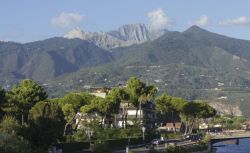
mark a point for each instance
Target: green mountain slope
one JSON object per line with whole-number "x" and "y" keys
{"x": 194, "y": 64}
{"x": 47, "y": 59}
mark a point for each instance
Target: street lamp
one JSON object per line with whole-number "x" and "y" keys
{"x": 89, "y": 133}
{"x": 143, "y": 134}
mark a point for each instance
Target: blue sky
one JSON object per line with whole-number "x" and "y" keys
{"x": 30, "y": 20}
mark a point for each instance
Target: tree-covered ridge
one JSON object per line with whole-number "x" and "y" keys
{"x": 194, "y": 64}
{"x": 43, "y": 60}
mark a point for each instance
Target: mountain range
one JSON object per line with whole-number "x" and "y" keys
{"x": 125, "y": 36}
{"x": 193, "y": 64}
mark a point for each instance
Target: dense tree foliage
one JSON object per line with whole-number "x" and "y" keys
{"x": 166, "y": 104}
{"x": 2, "y": 99}
{"x": 114, "y": 99}
{"x": 71, "y": 104}
{"x": 206, "y": 111}
{"x": 69, "y": 112}
{"x": 26, "y": 94}
{"x": 49, "y": 121}
{"x": 163, "y": 103}
{"x": 2, "y": 95}
{"x": 105, "y": 107}
{"x": 230, "y": 122}
{"x": 46, "y": 124}
{"x": 76, "y": 99}
{"x": 139, "y": 92}
{"x": 189, "y": 111}
{"x": 11, "y": 141}
{"x": 194, "y": 111}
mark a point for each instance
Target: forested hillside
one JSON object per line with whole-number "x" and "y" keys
{"x": 194, "y": 64}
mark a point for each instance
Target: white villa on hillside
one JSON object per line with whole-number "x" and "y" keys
{"x": 127, "y": 113}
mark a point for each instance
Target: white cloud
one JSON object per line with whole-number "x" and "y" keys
{"x": 158, "y": 19}
{"x": 201, "y": 21}
{"x": 66, "y": 19}
{"x": 240, "y": 21}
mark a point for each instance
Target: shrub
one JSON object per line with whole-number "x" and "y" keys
{"x": 101, "y": 147}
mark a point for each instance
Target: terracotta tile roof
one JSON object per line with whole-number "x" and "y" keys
{"x": 171, "y": 125}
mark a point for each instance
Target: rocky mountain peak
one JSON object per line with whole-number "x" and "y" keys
{"x": 81, "y": 34}
{"x": 125, "y": 35}
{"x": 135, "y": 32}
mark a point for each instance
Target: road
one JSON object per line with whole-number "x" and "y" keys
{"x": 156, "y": 147}
{"x": 231, "y": 134}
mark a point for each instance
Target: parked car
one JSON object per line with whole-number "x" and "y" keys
{"x": 156, "y": 141}
{"x": 193, "y": 137}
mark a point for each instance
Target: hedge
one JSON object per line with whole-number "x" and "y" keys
{"x": 73, "y": 147}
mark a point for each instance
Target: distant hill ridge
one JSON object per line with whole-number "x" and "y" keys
{"x": 49, "y": 58}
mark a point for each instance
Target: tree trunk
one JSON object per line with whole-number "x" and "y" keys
{"x": 123, "y": 117}
{"x": 136, "y": 114}
{"x": 126, "y": 120}
{"x": 141, "y": 122}
{"x": 191, "y": 126}
{"x": 65, "y": 128}
{"x": 102, "y": 121}
{"x": 71, "y": 123}
{"x": 186, "y": 127}
{"x": 173, "y": 122}
{"x": 22, "y": 119}
{"x": 123, "y": 120}
{"x": 115, "y": 121}
{"x": 174, "y": 127}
